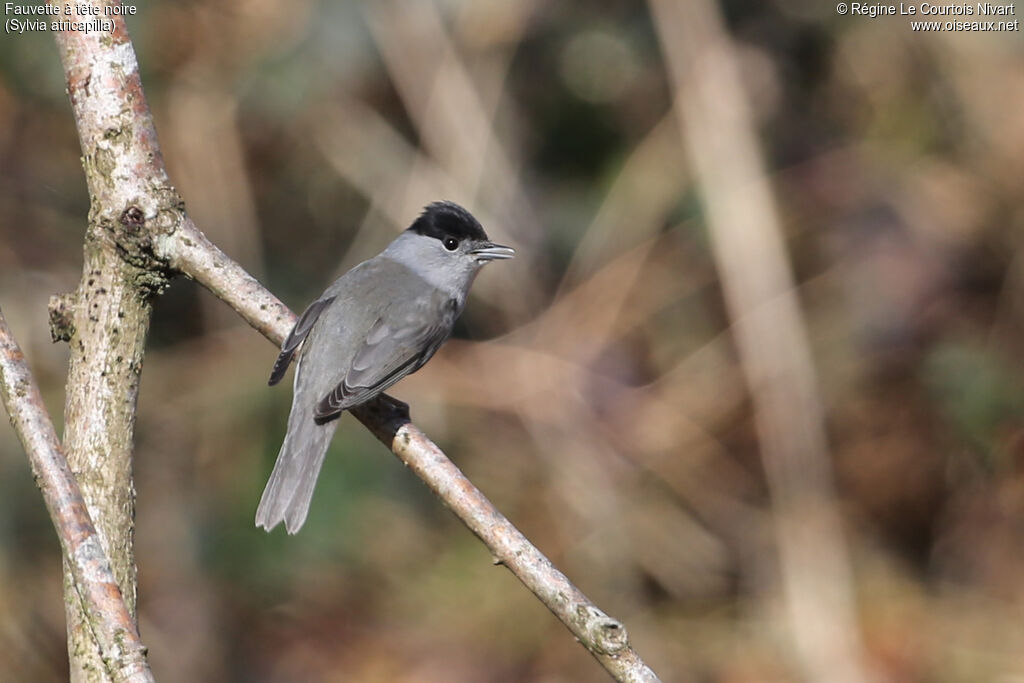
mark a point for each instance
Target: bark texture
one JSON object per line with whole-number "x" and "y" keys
{"x": 108, "y": 619}
{"x": 106, "y": 320}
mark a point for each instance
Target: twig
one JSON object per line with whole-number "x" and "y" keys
{"x": 109, "y": 618}
{"x": 605, "y": 637}
{"x": 170, "y": 240}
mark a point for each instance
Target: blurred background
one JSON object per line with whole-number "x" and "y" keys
{"x": 604, "y": 388}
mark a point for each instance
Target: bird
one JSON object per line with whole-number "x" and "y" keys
{"x": 380, "y": 321}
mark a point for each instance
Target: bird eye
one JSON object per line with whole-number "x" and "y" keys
{"x": 450, "y": 243}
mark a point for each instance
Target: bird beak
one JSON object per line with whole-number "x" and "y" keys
{"x": 489, "y": 251}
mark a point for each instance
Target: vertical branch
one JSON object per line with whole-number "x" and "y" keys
{"x": 110, "y": 323}
{"x": 768, "y": 327}
{"x": 107, "y": 318}
{"x": 107, "y": 617}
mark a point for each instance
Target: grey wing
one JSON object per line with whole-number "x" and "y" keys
{"x": 296, "y": 336}
{"x": 389, "y": 353}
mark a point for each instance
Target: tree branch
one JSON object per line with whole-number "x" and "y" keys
{"x": 189, "y": 251}
{"x": 603, "y": 636}
{"x": 109, "y": 619}
{"x": 106, "y": 320}
{"x": 157, "y": 237}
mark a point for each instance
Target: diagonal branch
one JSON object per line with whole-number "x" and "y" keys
{"x": 155, "y": 236}
{"x": 110, "y": 620}
{"x": 188, "y": 251}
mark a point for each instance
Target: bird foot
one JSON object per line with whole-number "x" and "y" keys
{"x": 393, "y": 404}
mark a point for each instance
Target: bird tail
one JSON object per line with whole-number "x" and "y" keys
{"x": 290, "y": 488}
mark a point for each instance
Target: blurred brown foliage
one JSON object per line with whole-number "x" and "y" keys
{"x": 605, "y": 413}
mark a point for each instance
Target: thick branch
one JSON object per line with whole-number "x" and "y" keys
{"x": 106, "y": 320}
{"x": 109, "y": 618}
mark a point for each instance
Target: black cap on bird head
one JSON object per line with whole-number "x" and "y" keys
{"x": 447, "y": 219}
